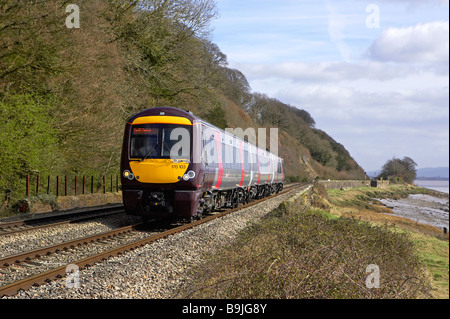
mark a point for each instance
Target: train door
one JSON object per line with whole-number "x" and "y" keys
{"x": 209, "y": 156}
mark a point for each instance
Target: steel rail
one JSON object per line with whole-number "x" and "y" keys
{"x": 13, "y": 288}
{"x": 24, "y": 225}
{"x": 25, "y": 256}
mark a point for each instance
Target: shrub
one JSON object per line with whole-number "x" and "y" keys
{"x": 28, "y": 140}
{"x": 310, "y": 255}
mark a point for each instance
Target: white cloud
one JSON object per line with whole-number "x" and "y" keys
{"x": 423, "y": 43}
{"x": 381, "y": 92}
{"x": 342, "y": 103}
{"x": 376, "y": 125}
{"x": 327, "y": 71}
{"x": 369, "y": 75}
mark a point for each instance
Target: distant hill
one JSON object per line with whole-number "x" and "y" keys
{"x": 373, "y": 174}
{"x": 422, "y": 173}
{"x": 433, "y": 173}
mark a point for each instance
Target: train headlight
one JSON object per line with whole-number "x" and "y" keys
{"x": 128, "y": 174}
{"x": 189, "y": 175}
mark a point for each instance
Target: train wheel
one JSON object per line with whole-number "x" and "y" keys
{"x": 235, "y": 198}
{"x": 241, "y": 195}
{"x": 201, "y": 214}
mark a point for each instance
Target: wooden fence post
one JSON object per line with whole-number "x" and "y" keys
{"x": 66, "y": 185}
{"x": 37, "y": 185}
{"x": 28, "y": 186}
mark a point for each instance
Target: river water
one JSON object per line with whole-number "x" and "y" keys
{"x": 441, "y": 186}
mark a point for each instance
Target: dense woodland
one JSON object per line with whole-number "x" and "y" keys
{"x": 65, "y": 93}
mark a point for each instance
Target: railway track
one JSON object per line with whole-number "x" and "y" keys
{"x": 24, "y": 225}
{"x": 21, "y": 271}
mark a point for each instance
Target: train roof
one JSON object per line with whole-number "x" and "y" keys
{"x": 172, "y": 111}
{"x": 164, "y": 111}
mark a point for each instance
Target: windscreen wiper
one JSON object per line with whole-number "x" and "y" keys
{"x": 149, "y": 152}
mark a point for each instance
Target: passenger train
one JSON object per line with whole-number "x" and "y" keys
{"x": 174, "y": 164}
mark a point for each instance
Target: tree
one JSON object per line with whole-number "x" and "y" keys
{"x": 28, "y": 139}
{"x": 31, "y": 40}
{"x": 399, "y": 170}
{"x": 216, "y": 116}
{"x": 161, "y": 41}
{"x": 304, "y": 115}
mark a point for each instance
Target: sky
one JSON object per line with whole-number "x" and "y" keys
{"x": 374, "y": 75}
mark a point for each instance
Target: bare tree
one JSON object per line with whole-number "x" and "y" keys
{"x": 193, "y": 17}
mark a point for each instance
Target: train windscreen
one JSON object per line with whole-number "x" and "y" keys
{"x": 160, "y": 141}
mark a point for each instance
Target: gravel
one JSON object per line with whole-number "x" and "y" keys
{"x": 30, "y": 240}
{"x": 159, "y": 269}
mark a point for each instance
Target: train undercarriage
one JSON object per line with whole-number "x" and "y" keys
{"x": 151, "y": 204}
{"x": 214, "y": 200}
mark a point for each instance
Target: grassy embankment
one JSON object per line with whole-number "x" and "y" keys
{"x": 323, "y": 251}
{"x": 431, "y": 245}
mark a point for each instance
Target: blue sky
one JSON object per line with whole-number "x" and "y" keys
{"x": 373, "y": 74}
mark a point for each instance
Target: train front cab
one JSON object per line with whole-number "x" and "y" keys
{"x": 156, "y": 182}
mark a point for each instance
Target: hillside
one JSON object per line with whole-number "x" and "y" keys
{"x": 65, "y": 94}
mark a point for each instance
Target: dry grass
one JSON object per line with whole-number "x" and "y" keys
{"x": 309, "y": 253}
{"x": 431, "y": 244}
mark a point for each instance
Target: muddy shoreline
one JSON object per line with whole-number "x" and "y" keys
{"x": 421, "y": 208}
